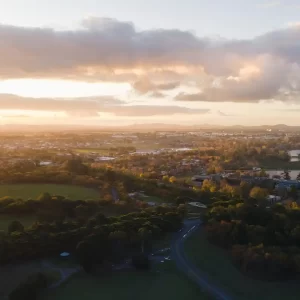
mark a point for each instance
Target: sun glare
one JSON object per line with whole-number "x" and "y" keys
{"x": 61, "y": 88}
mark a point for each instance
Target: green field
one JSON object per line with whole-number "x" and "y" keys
{"x": 90, "y": 150}
{"x": 155, "y": 199}
{"x": 217, "y": 267}
{"x": 129, "y": 285}
{"x": 32, "y": 191}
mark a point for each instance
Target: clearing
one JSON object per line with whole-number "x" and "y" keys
{"x": 32, "y": 191}
{"x": 154, "y": 199}
{"x": 217, "y": 267}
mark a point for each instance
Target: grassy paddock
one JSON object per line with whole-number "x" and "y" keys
{"x": 167, "y": 284}
{"x": 216, "y": 264}
{"x": 32, "y": 191}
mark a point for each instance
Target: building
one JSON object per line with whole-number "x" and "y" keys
{"x": 288, "y": 184}
{"x": 274, "y": 199}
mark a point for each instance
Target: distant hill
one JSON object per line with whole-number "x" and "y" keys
{"x": 143, "y": 127}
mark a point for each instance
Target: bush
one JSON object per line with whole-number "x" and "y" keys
{"x": 15, "y": 226}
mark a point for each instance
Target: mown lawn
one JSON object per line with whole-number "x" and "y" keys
{"x": 32, "y": 191}
{"x": 129, "y": 285}
{"x": 216, "y": 264}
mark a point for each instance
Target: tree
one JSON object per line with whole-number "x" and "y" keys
{"x": 165, "y": 178}
{"x": 262, "y": 173}
{"x": 84, "y": 255}
{"x": 2, "y": 235}
{"x": 45, "y": 197}
{"x": 293, "y": 192}
{"x": 75, "y": 166}
{"x": 209, "y": 186}
{"x": 118, "y": 239}
{"x": 110, "y": 175}
{"x": 141, "y": 261}
{"x": 286, "y": 175}
{"x": 29, "y": 289}
{"x": 100, "y": 219}
{"x": 15, "y": 226}
{"x": 145, "y": 235}
{"x": 172, "y": 179}
{"x": 259, "y": 194}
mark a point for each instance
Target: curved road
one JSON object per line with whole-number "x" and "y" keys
{"x": 187, "y": 267}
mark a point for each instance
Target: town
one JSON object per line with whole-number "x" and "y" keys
{"x": 82, "y": 183}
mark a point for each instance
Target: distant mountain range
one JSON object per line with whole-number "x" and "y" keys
{"x": 144, "y": 127}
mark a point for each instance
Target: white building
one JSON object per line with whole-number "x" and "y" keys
{"x": 273, "y": 199}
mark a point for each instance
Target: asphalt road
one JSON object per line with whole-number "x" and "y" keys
{"x": 178, "y": 255}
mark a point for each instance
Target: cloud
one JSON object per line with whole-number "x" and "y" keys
{"x": 268, "y": 78}
{"x": 16, "y": 116}
{"x": 84, "y": 106}
{"x": 156, "y": 60}
{"x": 270, "y": 4}
{"x": 90, "y": 106}
{"x": 288, "y": 110}
{"x": 153, "y": 110}
{"x": 102, "y": 50}
{"x": 222, "y": 114}
{"x": 156, "y": 94}
{"x": 294, "y": 24}
{"x": 144, "y": 86}
{"x": 191, "y": 97}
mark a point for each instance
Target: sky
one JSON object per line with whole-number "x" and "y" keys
{"x": 127, "y": 62}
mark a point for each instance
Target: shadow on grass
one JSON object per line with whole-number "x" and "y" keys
{"x": 161, "y": 283}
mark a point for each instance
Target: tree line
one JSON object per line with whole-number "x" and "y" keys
{"x": 98, "y": 239}
{"x": 263, "y": 241}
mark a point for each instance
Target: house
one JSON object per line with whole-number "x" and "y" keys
{"x": 45, "y": 163}
{"x": 274, "y": 199}
{"x": 256, "y": 169}
{"x": 288, "y": 184}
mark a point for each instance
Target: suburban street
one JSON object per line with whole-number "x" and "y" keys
{"x": 187, "y": 267}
